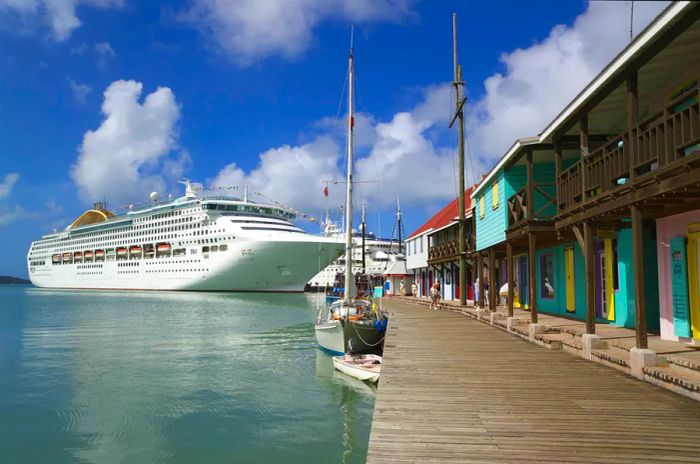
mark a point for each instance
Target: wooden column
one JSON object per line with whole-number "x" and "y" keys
{"x": 493, "y": 288}
{"x": 632, "y": 113}
{"x": 583, "y": 126}
{"x": 530, "y": 187}
{"x": 531, "y": 268}
{"x": 588, "y": 258}
{"x": 557, "y": 169}
{"x": 480, "y": 276}
{"x": 638, "y": 263}
{"x": 511, "y": 277}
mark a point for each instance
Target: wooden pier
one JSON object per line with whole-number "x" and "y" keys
{"x": 457, "y": 390}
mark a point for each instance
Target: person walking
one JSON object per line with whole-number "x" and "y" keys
{"x": 414, "y": 289}
{"x": 438, "y": 296}
{"x": 433, "y": 290}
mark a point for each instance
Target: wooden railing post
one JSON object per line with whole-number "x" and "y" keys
{"x": 583, "y": 131}
{"x": 638, "y": 262}
{"x": 511, "y": 277}
{"x": 590, "y": 277}
{"x": 480, "y": 276}
{"x": 530, "y": 190}
{"x": 632, "y": 113}
{"x": 557, "y": 169}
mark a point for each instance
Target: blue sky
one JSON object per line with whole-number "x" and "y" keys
{"x": 116, "y": 98}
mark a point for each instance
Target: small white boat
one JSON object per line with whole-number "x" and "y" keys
{"x": 363, "y": 367}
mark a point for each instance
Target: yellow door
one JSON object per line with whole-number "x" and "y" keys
{"x": 569, "y": 265}
{"x": 609, "y": 284}
{"x": 694, "y": 282}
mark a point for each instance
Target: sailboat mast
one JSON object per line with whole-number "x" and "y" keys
{"x": 349, "y": 278}
{"x": 458, "y": 83}
{"x": 398, "y": 222}
{"x": 364, "y": 226}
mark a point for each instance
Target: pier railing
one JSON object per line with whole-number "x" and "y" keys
{"x": 522, "y": 209}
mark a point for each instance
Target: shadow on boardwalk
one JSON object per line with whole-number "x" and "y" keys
{"x": 456, "y": 390}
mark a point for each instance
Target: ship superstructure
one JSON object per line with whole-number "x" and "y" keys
{"x": 196, "y": 242}
{"x": 377, "y": 256}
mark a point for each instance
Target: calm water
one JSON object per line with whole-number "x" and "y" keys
{"x": 172, "y": 377}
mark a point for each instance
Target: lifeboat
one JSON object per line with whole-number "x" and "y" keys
{"x": 148, "y": 248}
{"x": 121, "y": 251}
{"x": 77, "y": 255}
{"x": 163, "y": 247}
{"x": 67, "y": 257}
{"x": 99, "y": 253}
{"x": 88, "y": 254}
{"x": 56, "y": 258}
{"x": 135, "y": 250}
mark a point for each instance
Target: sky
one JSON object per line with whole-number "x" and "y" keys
{"x": 114, "y": 99}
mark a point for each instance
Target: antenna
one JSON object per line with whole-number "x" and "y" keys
{"x": 631, "y": 20}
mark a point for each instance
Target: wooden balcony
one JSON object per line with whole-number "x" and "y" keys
{"x": 663, "y": 146}
{"x": 520, "y": 206}
{"x": 448, "y": 251}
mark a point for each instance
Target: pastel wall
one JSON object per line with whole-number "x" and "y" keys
{"x": 666, "y": 229}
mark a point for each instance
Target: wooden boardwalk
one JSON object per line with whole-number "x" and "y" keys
{"x": 456, "y": 390}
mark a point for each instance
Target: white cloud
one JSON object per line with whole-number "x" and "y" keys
{"x": 251, "y": 29}
{"x": 80, "y": 91}
{"x": 400, "y": 157}
{"x": 8, "y": 184}
{"x": 125, "y": 158}
{"x": 291, "y": 175}
{"x": 7, "y": 217}
{"x": 59, "y": 15}
{"x": 540, "y": 80}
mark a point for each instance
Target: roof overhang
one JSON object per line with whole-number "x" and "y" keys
{"x": 520, "y": 143}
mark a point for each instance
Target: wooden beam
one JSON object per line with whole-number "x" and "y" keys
{"x": 590, "y": 277}
{"x": 632, "y": 113}
{"x": 480, "y": 275}
{"x": 530, "y": 188}
{"x": 579, "y": 237}
{"x": 638, "y": 263}
{"x": 583, "y": 135}
{"x": 493, "y": 288}
{"x": 511, "y": 277}
{"x": 532, "y": 266}
{"x": 557, "y": 169}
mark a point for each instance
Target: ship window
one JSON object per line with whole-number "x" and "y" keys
{"x": 205, "y": 249}
{"x": 215, "y": 248}
{"x": 223, "y": 247}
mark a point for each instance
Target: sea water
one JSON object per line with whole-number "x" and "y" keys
{"x": 88, "y": 376}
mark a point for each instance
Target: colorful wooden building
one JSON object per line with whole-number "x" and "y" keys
{"x": 598, "y": 216}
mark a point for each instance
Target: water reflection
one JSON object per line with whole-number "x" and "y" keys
{"x": 178, "y": 377}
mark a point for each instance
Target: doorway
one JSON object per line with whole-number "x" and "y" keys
{"x": 570, "y": 283}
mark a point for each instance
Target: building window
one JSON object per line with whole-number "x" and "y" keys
{"x": 547, "y": 276}
{"x": 494, "y": 193}
{"x": 481, "y": 207}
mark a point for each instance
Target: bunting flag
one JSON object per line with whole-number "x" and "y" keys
{"x": 325, "y": 191}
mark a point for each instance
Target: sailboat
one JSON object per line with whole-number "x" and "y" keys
{"x": 349, "y": 324}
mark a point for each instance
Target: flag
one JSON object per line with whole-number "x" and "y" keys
{"x": 325, "y": 191}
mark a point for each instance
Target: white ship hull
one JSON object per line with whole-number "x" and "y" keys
{"x": 247, "y": 266}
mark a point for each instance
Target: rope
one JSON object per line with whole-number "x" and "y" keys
{"x": 364, "y": 341}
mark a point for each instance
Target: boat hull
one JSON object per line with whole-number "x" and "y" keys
{"x": 247, "y": 266}
{"x": 338, "y": 338}
{"x": 354, "y": 370}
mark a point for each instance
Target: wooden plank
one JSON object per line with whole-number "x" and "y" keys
{"x": 456, "y": 390}
{"x": 632, "y": 113}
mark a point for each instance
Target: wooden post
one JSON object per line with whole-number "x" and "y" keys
{"x": 493, "y": 290}
{"x": 480, "y": 275}
{"x": 557, "y": 169}
{"x": 632, "y": 112}
{"x": 638, "y": 263}
{"x": 583, "y": 126}
{"x": 530, "y": 188}
{"x": 590, "y": 277}
{"x": 511, "y": 277}
{"x": 532, "y": 266}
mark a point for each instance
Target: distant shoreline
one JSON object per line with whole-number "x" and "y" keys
{"x": 9, "y": 280}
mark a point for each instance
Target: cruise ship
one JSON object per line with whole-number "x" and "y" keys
{"x": 378, "y": 255}
{"x": 197, "y": 243}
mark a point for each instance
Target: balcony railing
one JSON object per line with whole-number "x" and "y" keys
{"x": 443, "y": 252}
{"x": 520, "y": 206}
{"x": 666, "y": 138}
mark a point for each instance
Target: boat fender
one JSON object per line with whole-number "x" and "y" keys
{"x": 381, "y": 324}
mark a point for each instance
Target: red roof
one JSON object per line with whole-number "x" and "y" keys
{"x": 446, "y": 215}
